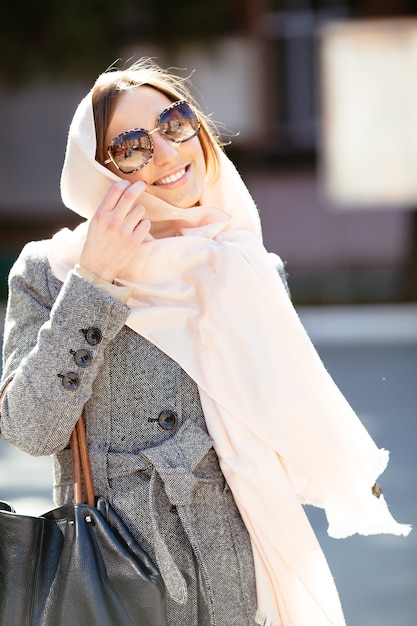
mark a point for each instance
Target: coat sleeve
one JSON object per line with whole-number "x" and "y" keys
{"x": 55, "y": 338}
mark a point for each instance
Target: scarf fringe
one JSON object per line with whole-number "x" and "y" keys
{"x": 264, "y": 620}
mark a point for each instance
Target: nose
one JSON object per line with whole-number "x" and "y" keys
{"x": 163, "y": 149}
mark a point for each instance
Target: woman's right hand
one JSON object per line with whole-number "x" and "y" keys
{"x": 115, "y": 231}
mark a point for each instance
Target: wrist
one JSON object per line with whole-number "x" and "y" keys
{"x": 119, "y": 292}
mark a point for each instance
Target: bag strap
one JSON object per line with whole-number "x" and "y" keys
{"x": 81, "y": 465}
{"x": 80, "y": 462}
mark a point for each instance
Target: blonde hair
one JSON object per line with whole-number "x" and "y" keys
{"x": 113, "y": 82}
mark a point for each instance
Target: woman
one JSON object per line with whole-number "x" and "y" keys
{"x": 210, "y": 417}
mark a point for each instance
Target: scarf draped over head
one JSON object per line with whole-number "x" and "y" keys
{"x": 204, "y": 291}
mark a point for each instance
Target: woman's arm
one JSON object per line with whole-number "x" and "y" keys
{"x": 54, "y": 343}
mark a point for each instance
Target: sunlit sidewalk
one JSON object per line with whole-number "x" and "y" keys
{"x": 367, "y": 325}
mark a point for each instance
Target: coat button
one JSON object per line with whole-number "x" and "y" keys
{"x": 70, "y": 380}
{"x": 167, "y": 420}
{"x": 82, "y": 357}
{"x": 92, "y": 335}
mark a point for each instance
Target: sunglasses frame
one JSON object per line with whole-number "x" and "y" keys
{"x": 149, "y": 134}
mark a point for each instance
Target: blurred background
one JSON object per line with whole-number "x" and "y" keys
{"x": 319, "y": 101}
{"x": 316, "y": 96}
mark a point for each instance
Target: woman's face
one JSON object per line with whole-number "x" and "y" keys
{"x": 176, "y": 171}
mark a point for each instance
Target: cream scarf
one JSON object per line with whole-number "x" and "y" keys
{"x": 206, "y": 293}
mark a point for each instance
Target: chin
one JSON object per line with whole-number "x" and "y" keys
{"x": 181, "y": 201}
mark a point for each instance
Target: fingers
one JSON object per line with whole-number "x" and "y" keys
{"x": 120, "y": 210}
{"x": 121, "y": 197}
{"x": 135, "y": 219}
{"x": 115, "y": 231}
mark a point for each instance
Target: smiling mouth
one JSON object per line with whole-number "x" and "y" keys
{"x": 171, "y": 179}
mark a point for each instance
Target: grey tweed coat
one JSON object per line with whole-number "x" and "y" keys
{"x": 68, "y": 351}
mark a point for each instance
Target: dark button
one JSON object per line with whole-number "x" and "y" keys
{"x": 92, "y": 335}
{"x": 82, "y": 357}
{"x": 70, "y": 380}
{"x": 167, "y": 420}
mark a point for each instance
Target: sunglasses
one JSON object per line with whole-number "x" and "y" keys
{"x": 133, "y": 149}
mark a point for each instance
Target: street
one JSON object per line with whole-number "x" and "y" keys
{"x": 372, "y": 355}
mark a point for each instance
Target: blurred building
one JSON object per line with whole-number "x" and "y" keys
{"x": 264, "y": 83}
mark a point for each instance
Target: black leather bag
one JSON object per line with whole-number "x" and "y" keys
{"x": 77, "y": 564}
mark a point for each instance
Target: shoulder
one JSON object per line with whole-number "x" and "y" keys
{"x": 279, "y": 265}
{"x": 31, "y": 269}
{"x": 276, "y": 261}
{"x": 33, "y": 254}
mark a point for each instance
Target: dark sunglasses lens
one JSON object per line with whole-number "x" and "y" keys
{"x": 131, "y": 151}
{"x": 179, "y": 123}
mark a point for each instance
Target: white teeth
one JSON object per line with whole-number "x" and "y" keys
{"x": 171, "y": 179}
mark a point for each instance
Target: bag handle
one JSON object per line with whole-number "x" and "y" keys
{"x": 80, "y": 462}
{"x": 81, "y": 465}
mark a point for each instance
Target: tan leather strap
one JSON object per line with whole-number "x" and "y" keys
{"x": 76, "y": 468}
{"x": 80, "y": 462}
{"x": 81, "y": 465}
{"x": 3, "y": 394}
